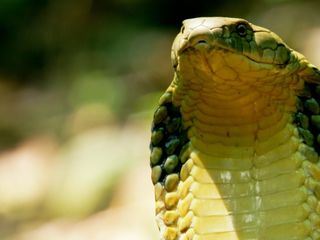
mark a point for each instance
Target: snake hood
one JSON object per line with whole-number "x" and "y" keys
{"x": 235, "y": 138}
{"x": 244, "y": 48}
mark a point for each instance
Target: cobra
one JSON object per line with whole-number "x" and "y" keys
{"x": 235, "y": 138}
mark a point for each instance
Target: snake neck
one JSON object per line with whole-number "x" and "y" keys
{"x": 237, "y": 116}
{"x": 245, "y": 158}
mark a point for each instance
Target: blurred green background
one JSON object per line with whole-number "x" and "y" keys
{"x": 78, "y": 82}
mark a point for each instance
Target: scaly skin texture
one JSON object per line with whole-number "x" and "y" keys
{"x": 234, "y": 149}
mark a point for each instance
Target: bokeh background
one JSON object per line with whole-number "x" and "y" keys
{"x": 78, "y": 82}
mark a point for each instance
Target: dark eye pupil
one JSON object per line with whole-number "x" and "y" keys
{"x": 242, "y": 30}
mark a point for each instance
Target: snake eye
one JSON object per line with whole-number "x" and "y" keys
{"x": 241, "y": 29}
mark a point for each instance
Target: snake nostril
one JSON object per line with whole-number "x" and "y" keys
{"x": 202, "y": 41}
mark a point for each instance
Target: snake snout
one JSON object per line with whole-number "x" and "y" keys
{"x": 200, "y": 35}
{"x": 200, "y": 41}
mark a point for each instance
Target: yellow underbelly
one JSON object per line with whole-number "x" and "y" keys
{"x": 248, "y": 174}
{"x": 242, "y": 181}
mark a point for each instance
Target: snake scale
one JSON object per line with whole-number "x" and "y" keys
{"x": 235, "y": 138}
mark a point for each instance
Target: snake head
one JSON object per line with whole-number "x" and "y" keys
{"x": 231, "y": 48}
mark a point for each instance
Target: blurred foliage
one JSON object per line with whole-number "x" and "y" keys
{"x": 83, "y": 77}
{"x": 67, "y": 53}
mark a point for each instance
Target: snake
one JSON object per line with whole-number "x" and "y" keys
{"x": 235, "y": 138}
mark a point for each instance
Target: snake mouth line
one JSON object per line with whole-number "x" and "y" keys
{"x": 220, "y": 47}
